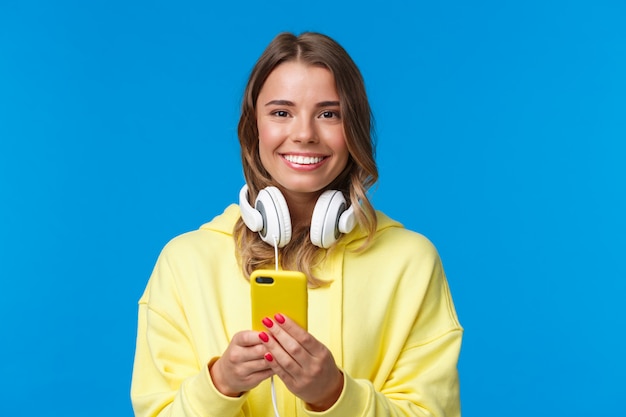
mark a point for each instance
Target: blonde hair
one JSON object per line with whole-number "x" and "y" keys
{"x": 359, "y": 174}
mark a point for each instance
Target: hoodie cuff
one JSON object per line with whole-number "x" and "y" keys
{"x": 352, "y": 401}
{"x": 205, "y": 399}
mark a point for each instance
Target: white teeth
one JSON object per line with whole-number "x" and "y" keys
{"x": 303, "y": 160}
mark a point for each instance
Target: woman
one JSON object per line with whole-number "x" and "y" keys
{"x": 383, "y": 338}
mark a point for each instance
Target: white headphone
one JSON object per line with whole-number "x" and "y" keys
{"x": 270, "y": 217}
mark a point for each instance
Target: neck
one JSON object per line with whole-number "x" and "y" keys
{"x": 301, "y": 207}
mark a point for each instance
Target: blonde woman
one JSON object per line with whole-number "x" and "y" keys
{"x": 383, "y": 337}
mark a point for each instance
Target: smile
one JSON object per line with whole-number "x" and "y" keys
{"x": 304, "y": 160}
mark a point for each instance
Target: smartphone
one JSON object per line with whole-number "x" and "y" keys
{"x": 275, "y": 291}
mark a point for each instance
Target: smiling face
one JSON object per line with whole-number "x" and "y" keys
{"x": 301, "y": 137}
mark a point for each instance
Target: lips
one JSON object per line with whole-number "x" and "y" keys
{"x": 304, "y": 160}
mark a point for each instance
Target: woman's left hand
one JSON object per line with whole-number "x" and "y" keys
{"x": 303, "y": 363}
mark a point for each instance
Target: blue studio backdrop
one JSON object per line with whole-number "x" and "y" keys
{"x": 501, "y": 130}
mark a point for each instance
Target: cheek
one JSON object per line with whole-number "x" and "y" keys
{"x": 338, "y": 144}
{"x": 266, "y": 150}
{"x": 343, "y": 153}
{"x": 270, "y": 132}
{"x": 266, "y": 140}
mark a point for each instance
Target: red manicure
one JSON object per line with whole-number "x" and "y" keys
{"x": 264, "y": 337}
{"x": 280, "y": 318}
{"x": 269, "y": 357}
{"x": 267, "y": 322}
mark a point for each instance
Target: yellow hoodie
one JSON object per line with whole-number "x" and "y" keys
{"x": 387, "y": 318}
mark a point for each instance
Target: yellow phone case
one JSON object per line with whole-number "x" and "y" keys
{"x": 282, "y": 292}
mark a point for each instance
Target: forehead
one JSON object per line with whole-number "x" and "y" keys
{"x": 298, "y": 78}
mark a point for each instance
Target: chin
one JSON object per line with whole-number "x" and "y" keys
{"x": 303, "y": 188}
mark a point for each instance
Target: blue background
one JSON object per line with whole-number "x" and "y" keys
{"x": 501, "y": 129}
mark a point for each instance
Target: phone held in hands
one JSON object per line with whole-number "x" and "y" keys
{"x": 276, "y": 291}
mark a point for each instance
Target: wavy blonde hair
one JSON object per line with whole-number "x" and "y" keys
{"x": 359, "y": 174}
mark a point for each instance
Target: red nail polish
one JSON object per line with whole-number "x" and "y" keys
{"x": 267, "y": 322}
{"x": 264, "y": 337}
{"x": 280, "y": 318}
{"x": 269, "y": 357}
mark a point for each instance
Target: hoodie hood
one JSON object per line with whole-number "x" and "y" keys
{"x": 225, "y": 222}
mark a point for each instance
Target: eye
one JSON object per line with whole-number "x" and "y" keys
{"x": 280, "y": 113}
{"x": 329, "y": 114}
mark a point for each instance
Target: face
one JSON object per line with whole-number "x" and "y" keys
{"x": 301, "y": 138}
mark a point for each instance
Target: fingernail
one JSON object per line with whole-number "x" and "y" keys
{"x": 269, "y": 357}
{"x": 264, "y": 337}
{"x": 280, "y": 318}
{"x": 267, "y": 322}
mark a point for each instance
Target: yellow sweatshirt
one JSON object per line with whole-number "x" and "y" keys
{"x": 387, "y": 318}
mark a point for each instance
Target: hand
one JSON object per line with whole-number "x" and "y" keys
{"x": 304, "y": 364}
{"x": 242, "y": 366}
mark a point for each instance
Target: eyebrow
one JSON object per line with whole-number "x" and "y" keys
{"x": 291, "y": 103}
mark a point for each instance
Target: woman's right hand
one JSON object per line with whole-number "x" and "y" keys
{"x": 242, "y": 366}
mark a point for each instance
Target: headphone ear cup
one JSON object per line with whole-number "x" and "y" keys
{"x": 347, "y": 220}
{"x": 272, "y": 206}
{"x": 251, "y": 217}
{"x": 326, "y": 214}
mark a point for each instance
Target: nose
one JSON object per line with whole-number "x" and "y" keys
{"x": 304, "y": 130}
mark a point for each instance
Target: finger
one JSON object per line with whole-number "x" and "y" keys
{"x": 291, "y": 336}
{"x": 288, "y": 358}
{"x": 234, "y": 378}
{"x": 245, "y": 347}
{"x": 309, "y": 378}
{"x": 257, "y": 367}
{"x": 237, "y": 355}
{"x": 278, "y": 362}
{"x": 240, "y": 367}
{"x": 246, "y": 338}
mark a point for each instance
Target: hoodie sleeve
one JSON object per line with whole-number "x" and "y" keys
{"x": 437, "y": 385}
{"x": 405, "y": 362}
{"x": 168, "y": 377}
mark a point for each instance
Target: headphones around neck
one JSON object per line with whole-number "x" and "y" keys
{"x": 270, "y": 217}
